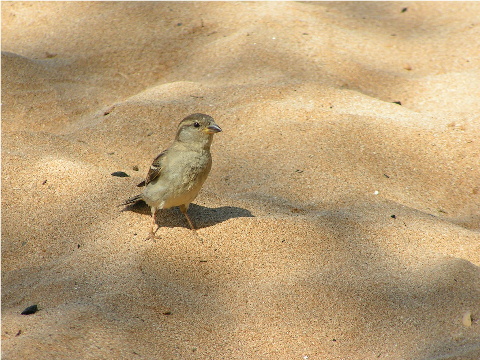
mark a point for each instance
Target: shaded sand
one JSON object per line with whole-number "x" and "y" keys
{"x": 335, "y": 224}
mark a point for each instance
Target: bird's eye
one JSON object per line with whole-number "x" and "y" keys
{"x": 196, "y": 124}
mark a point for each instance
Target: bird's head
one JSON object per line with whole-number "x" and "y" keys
{"x": 197, "y": 128}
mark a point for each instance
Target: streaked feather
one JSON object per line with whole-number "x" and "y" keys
{"x": 155, "y": 170}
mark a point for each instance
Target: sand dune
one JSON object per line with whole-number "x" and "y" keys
{"x": 341, "y": 219}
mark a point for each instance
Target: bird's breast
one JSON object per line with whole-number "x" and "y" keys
{"x": 181, "y": 179}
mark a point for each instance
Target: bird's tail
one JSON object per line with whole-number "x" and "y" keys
{"x": 132, "y": 200}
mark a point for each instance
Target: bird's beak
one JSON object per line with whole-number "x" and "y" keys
{"x": 212, "y": 129}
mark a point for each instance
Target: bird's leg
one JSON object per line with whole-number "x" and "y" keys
{"x": 184, "y": 209}
{"x": 151, "y": 235}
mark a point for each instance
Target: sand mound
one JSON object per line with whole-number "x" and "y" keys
{"x": 341, "y": 219}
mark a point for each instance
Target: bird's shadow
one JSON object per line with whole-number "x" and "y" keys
{"x": 201, "y": 216}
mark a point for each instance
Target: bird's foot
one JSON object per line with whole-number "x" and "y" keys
{"x": 195, "y": 233}
{"x": 152, "y": 236}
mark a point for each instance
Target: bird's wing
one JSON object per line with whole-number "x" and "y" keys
{"x": 155, "y": 169}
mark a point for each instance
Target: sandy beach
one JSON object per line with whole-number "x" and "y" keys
{"x": 341, "y": 217}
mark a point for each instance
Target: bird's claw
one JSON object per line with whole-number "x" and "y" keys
{"x": 153, "y": 237}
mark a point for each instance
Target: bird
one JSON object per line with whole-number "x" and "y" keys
{"x": 178, "y": 173}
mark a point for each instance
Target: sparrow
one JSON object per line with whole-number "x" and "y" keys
{"x": 178, "y": 173}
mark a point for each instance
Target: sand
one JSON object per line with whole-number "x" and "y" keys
{"x": 341, "y": 218}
